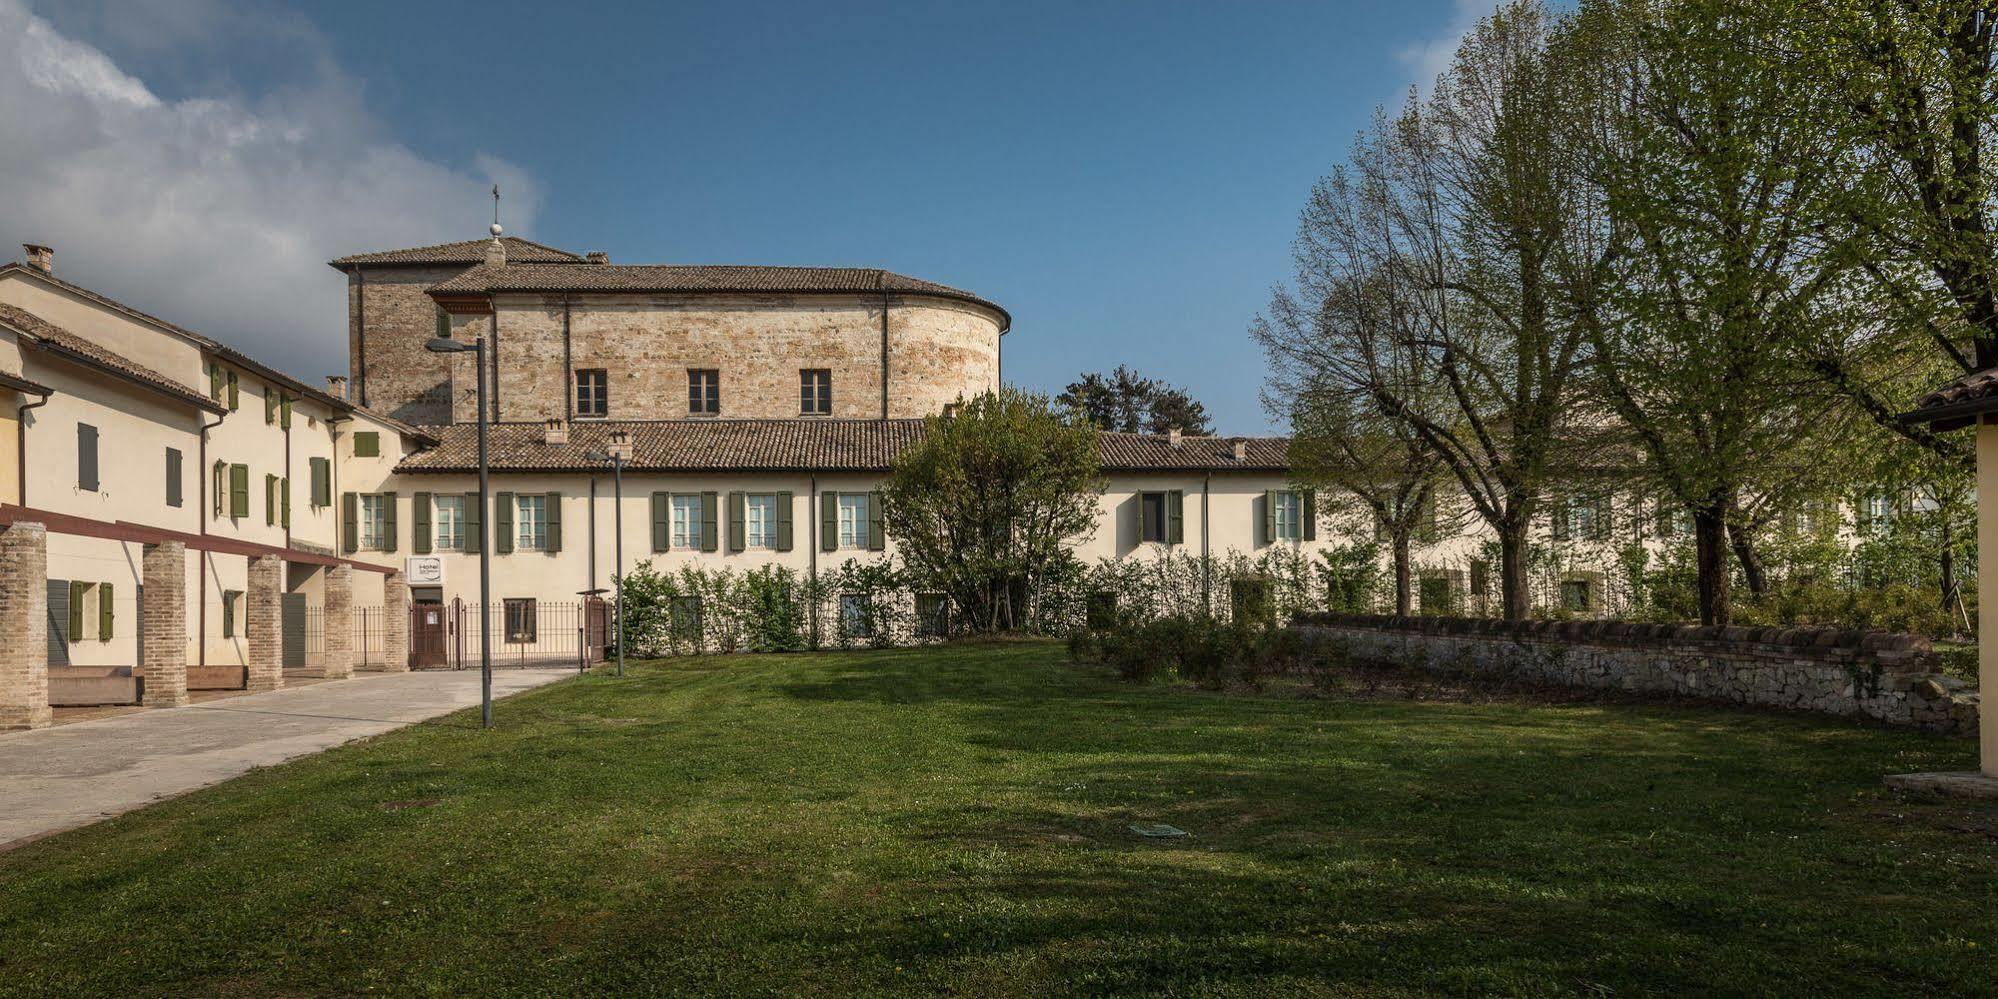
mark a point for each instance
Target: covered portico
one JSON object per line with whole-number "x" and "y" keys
{"x": 160, "y": 673}
{"x": 1972, "y": 402}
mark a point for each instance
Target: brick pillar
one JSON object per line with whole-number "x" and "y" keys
{"x": 339, "y": 622}
{"x": 395, "y": 623}
{"x": 265, "y": 627}
{"x": 24, "y": 626}
{"x": 164, "y": 652}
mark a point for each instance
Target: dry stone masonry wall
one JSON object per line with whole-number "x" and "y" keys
{"x": 1887, "y": 677}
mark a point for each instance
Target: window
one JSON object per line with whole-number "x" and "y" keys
{"x": 703, "y": 391}
{"x": 1481, "y": 572}
{"x": 239, "y": 491}
{"x": 270, "y": 500}
{"x": 1284, "y": 511}
{"x": 932, "y": 615}
{"x": 815, "y": 391}
{"x": 687, "y": 520}
{"x": 86, "y": 457}
{"x": 530, "y": 523}
{"x": 374, "y": 525}
{"x": 367, "y": 444}
{"x": 856, "y": 615}
{"x": 448, "y": 523}
{"x": 230, "y": 598}
{"x": 1575, "y": 595}
{"x": 759, "y": 521}
{"x": 1674, "y": 520}
{"x": 592, "y": 392}
{"x": 1159, "y": 517}
{"x": 219, "y": 487}
{"x": 520, "y": 619}
{"x": 443, "y": 324}
{"x": 853, "y": 520}
{"x": 173, "y": 477}
{"x": 1876, "y": 511}
{"x": 686, "y": 621}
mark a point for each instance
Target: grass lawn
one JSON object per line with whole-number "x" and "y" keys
{"x": 954, "y": 820}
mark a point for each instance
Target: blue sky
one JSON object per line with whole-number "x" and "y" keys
{"x": 1124, "y": 178}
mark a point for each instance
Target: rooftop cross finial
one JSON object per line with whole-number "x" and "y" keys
{"x": 496, "y": 226}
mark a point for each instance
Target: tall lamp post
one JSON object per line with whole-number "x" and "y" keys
{"x": 477, "y": 347}
{"x": 615, "y": 457}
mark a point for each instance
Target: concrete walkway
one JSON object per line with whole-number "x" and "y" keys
{"x": 72, "y": 775}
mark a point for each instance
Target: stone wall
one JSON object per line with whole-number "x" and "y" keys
{"x": 1887, "y": 677}
{"x": 400, "y": 378}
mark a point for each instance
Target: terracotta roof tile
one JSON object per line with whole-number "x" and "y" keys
{"x": 43, "y": 333}
{"x": 470, "y": 251}
{"x": 789, "y": 445}
{"x": 697, "y": 279}
{"x": 1970, "y": 388}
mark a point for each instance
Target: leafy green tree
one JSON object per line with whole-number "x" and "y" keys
{"x": 984, "y": 509}
{"x": 1127, "y": 402}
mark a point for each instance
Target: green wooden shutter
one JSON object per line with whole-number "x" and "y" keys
{"x": 77, "y": 589}
{"x": 270, "y": 500}
{"x": 388, "y": 522}
{"x": 554, "y": 522}
{"x": 1144, "y": 511}
{"x": 710, "y": 536}
{"x": 284, "y": 412}
{"x": 367, "y": 444}
{"x": 239, "y": 491}
{"x": 86, "y": 457}
{"x": 215, "y": 383}
{"x": 322, "y": 482}
{"x": 270, "y": 405}
{"x": 503, "y": 523}
{"x": 284, "y": 502}
{"x": 419, "y": 537}
{"x": 1269, "y": 517}
{"x": 106, "y": 611}
{"x": 235, "y": 394}
{"x": 350, "y": 536}
{"x": 877, "y": 522}
{"x": 229, "y": 613}
{"x": 662, "y": 526}
{"x": 737, "y": 529}
{"x": 173, "y": 477}
{"x": 475, "y": 521}
{"x": 1307, "y": 504}
{"x": 1176, "y": 517}
{"x": 783, "y": 522}
{"x": 218, "y": 489}
{"x": 829, "y": 517}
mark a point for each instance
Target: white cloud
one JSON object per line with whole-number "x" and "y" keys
{"x": 1429, "y": 58}
{"x": 219, "y": 212}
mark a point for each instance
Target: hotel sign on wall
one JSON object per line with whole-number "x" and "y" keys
{"x": 424, "y": 570}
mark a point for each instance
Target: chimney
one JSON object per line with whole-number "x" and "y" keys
{"x": 597, "y": 257}
{"x": 555, "y": 431}
{"x": 336, "y": 386}
{"x": 620, "y": 445}
{"x": 1241, "y": 449}
{"x": 41, "y": 258}
{"x": 1172, "y": 436}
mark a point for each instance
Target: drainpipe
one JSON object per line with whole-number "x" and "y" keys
{"x": 812, "y": 535}
{"x": 1206, "y": 563}
{"x": 201, "y": 475}
{"x": 593, "y": 531}
{"x": 495, "y": 359}
{"x": 21, "y": 440}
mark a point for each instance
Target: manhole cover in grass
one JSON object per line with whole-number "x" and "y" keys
{"x": 397, "y": 806}
{"x": 1160, "y": 830}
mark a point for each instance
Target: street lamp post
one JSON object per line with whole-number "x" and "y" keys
{"x": 615, "y": 457}
{"x": 477, "y": 347}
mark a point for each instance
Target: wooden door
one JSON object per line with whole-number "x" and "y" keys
{"x": 426, "y": 635}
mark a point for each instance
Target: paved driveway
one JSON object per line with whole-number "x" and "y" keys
{"x": 72, "y": 775}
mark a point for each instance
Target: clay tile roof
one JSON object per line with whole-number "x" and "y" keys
{"x": 1138, "y": 452}
{"x": 696, "y": 278}
{"x": 704, "y": 445}
{"x": 1958, "y": 403}
{"x": 470, "y": 251}
{"x": 41, "y": 333}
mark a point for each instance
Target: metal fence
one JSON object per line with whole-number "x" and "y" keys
{"x": 523, "y": 633}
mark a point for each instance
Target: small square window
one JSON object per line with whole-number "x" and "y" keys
{"x": 703, "y": 391}
{"x": 521, "y": 620}
{"x": 686, "y": 622}
{"x": 856, "y": 615}
{"x": 815, "y": 391}
{"x": 1575, "y": 595}
{"x": 592, "y": 392}
{"x": 932, "y": 615}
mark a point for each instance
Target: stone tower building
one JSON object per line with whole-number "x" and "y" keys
{"x": 580, "y": 338}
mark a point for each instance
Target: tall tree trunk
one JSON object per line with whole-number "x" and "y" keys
{"x": 1716, "y": 582}
{"x": 1948, "y": 566}
{"x": 1752, "y": 569}
{"x": 1512, "y": 572}
{"x": 1404, "y": 572}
